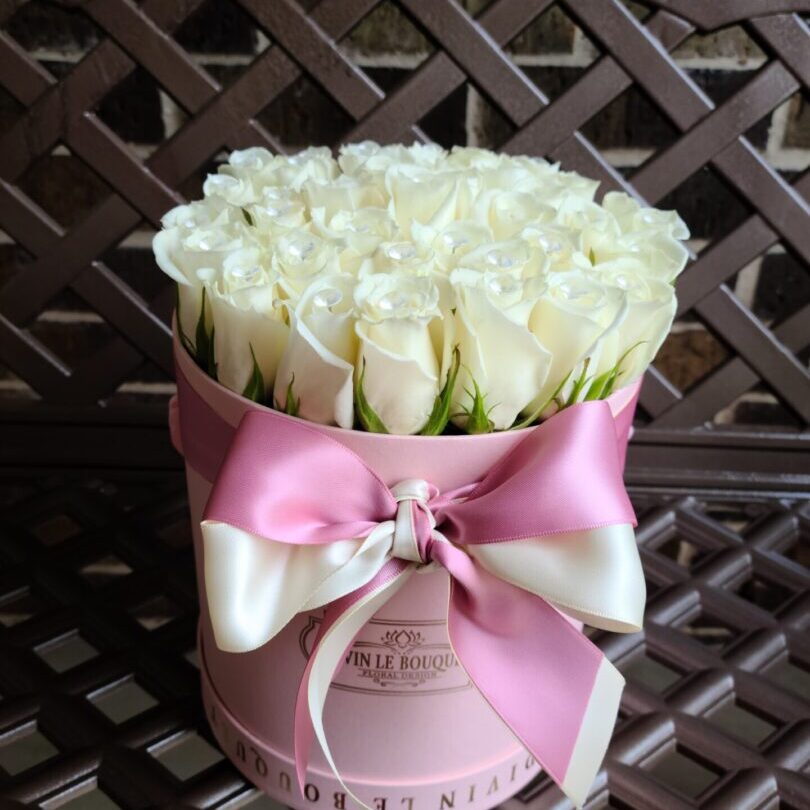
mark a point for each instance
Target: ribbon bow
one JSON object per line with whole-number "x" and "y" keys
{"x": 297, "y": 521}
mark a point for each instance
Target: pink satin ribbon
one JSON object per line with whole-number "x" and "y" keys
{"x": 535, "y": 669}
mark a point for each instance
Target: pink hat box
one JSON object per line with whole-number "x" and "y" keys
{"x": 407, "y": 728}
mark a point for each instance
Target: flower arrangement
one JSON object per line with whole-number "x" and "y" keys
{"x": 411, "y": 290}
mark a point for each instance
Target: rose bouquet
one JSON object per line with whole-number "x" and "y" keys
{"x": 423, "y": 298}
{"x": 405, "y": 289}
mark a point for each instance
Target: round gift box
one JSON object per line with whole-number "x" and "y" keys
{"x": 407, "y": 728}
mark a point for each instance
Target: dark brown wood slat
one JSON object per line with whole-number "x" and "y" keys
{"x": 108, "y": 155}
{"x": 548, "y": 132}
{"x": 142, "y": 33}
{"x": 719, "y": 262}
{"x": 136, "y": 319}
{"x": 603, "y": 81}
{"x": 439, "y": 75}
{"x": 732, "y": 379}
{"x": 762, "y": 94}
{"x": 24, "y": 220}
{"x": 686, "y": 104}
{"x": 101, "y": 224}
{"x": 43, "y": 124}
{"x": 45, "y": 373}
{"x": 24, "y": 84}
{"x": 298, "y": 34}
{"x": 37, "y": 233}
{"x": 658, "y": 394}
{"x": 717, "y": 15}
{"x": 789, "y": 37}
{"x": 479, "y": 56}
{"x": 22, "y": 296}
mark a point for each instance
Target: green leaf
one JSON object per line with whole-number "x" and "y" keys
{"x": 254, "y": 390}
{"x": 204, "y": 343}
{"x": 184, "y": 339}
{"x": 602, "y": 387}
{"x": 596, "y": 389}
{"x": 440, "y": 415}
{"x": 478, "y": 420}
{"x": 532, "y": 418}
{"x": 291, "y": 404}
{"x": 247, "y": 216}
{"x": 365, "y": 413}
{"x": 579, "y": 384}
{"x": 212, "y": 361}
{"x": 201, "y": 338}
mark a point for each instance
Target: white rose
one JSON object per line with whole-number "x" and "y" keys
{"x": 237, "y": 191}
{"x": 191, "y": 257}
{"x": 636, "y": 337}
{"x": 246, "y": 162}
{"x": 663, "y": 257}
{"x": 578, "y": 186}
{"x": 632, "y": 216}
{"x": 197, "y": 214}
{"x": 558, "y": 246}
{"x": 451, "y": 244}
{"x": 248, "y": 326}
{"x": 568, "y": 319}
{"x": 470, "y": 157}
{"x": 359, "y": 232}
{"x": 578, "y": 214}
{"x": 514, "y": 256}
{"x": 397, "y": 359}
{"x": 245, "y": 267}
{"x": 299, "y": 257}
{"x": 400, "y": 256}
{"x": 524, "y": 174}
{"x": 506, "y": 213}
{"x": 434, "y": 198}
{"x": 345, "y": 194}
{"x": 368, "y": 156}
{"x": 167, "y": 247}
{"x": 291, "y": 172}
{"x": 277, "y": 210}
{"x": 503, "y": 365}
{"x": 412, "y": 258}
{"x": 317, "y": 370}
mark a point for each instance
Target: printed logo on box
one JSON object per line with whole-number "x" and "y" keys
{"x": 396, "y": 658}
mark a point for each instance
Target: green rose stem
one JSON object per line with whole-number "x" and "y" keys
{"x": 440, "y": 415}
{"x": 254, "y": 390}
{"x": 602, "y": 387}
{"x": 292, "y": 404}
{"x": 533, "y": 417}
{"x": 365, "y": 413}
{"x": 185, "y": 341}
{"x": 478, "y": 420}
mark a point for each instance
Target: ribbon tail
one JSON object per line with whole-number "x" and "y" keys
{"x": 552, "y": 687}
{"x": 343, "y": 621}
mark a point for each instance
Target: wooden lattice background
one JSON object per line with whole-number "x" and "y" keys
{"x": 113, "y": 111}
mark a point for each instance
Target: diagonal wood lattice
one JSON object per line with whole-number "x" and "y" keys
{"x": 632, "y": 51}
{"x": 99, "y": 695}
